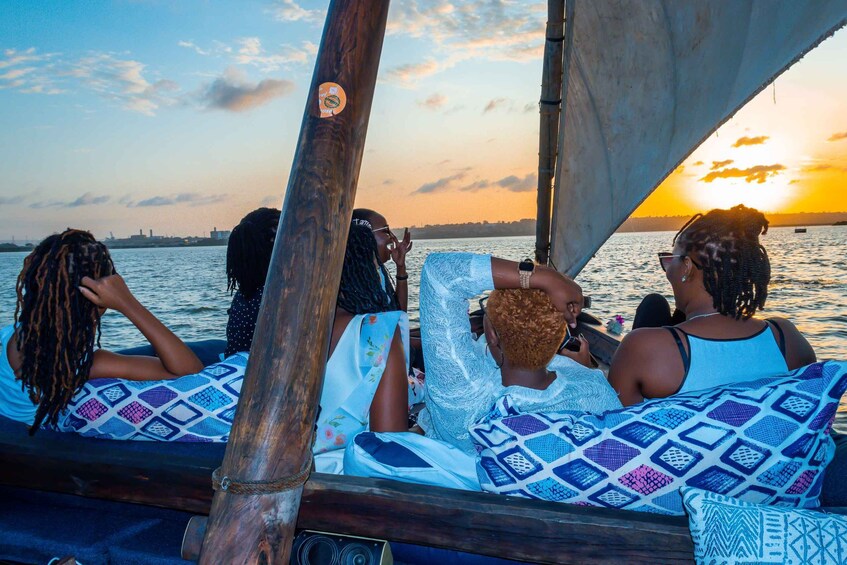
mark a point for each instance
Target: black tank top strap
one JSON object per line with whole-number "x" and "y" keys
{"x": 781, "y": 341}
{"x": 686, "y": 360}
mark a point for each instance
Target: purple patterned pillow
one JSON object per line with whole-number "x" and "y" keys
{"x": 765, "y": 442}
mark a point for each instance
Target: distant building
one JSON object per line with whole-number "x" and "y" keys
{"x": 219, "y": 235}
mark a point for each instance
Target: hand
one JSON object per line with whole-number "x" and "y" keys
{"x": 398, "y": 253}
{"x": 583, "y": 356}
{"x": 107, "y": 292}
{"x": 564, "y": 293}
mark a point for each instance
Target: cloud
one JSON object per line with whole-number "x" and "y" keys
{"x": 195, "y": 48}
{"x": 822, "y": 167}
{"x": 291, "y": 11}
{"x": 530, "y": 107}
{"x": 11, "y": 200}
{"x": 758, "y": 140}
{"x": 274, "y": 201}
{"x": 231, "y": 92}
{"x": 190, "y": 198}
{"x": 511, "y": 183}
{"x": 88, "y": 199}
{"x": 407, "y": 75}
{"x": 473, "y": 29}
{"x": 434, "y": 102}
{"x": 698, "y": 163}
{"x": 494, "y": 104}
{"x": 838, "y": 136}
{"x": 38, "y": 75}
{"x": 794, "y": 181}
{"x": 719, "y": 164}
{"x": 441, "y": 184}
{"x": 252, "y": 53}
{"x": 389, "y": 182}
{"x": 759, "y": 173}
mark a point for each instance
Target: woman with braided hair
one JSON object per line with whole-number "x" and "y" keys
{"x": 52, "y": 350}
{"x": 719, "y": 273}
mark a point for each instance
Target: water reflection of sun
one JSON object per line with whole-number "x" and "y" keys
{"x": 772, "y": 195}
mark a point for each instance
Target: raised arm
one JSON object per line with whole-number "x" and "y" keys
{"x": 398, "y": 255}
{"x": 174, "y": 357}
{"x": 565, "y": 294}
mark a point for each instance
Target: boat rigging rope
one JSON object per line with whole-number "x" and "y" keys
{"x": 230, "y": 485}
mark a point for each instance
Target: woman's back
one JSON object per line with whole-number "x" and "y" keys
{"x": 712, "y": 361}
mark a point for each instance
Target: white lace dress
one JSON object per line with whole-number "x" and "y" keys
{"x": 462, "y": 380}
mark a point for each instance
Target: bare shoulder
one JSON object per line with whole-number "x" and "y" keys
{"x": 798, "y": 351}
{"x": 643, "y": 342}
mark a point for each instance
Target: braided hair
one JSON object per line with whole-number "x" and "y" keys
{"x": 725, "y": 246}
{"x": 248, "y": 252}
{"x": 56, "y": 327}
{"x": 361, "y": 290}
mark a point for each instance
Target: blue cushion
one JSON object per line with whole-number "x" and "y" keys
{"x": 727, "y": 530}
{"x": 765, "y": 441}
{"x": 410, "y": 458}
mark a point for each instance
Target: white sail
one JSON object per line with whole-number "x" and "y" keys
{"x": 647, "y": 81}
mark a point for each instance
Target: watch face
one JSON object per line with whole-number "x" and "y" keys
{"x": 526, "y": 266}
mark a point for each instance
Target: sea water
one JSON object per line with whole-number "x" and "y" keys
{"x": 186, "y": 287}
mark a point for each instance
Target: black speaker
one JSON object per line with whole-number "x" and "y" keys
{"x": 323, "y": 548}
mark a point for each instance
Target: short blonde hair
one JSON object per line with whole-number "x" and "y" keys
{"x": 528, "y": 325}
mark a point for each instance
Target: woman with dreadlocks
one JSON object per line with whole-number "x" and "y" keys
{"x": 52, "y": 350}
{"x": 248, "y": 255}
{"x": 719, "y": 273}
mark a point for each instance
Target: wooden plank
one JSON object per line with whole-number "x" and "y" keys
{"x": 487, "y": 524}
{"x": 272, "y": 432}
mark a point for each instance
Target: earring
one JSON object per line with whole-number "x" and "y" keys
{"x": 684, "y": 278}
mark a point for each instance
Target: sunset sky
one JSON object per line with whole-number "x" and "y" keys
{"x": 182, "y": 116}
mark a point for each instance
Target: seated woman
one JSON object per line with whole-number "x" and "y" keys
{"x": 52, "y": 350}
{"x": 365, "y": 386}
{"x": 719, "y": 273}
{"x": 524, "y": 325}
{"x": 248, "y": 255}
{"x": 388, "y": 247}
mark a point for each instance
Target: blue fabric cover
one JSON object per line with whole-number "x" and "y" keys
{"x": 36, "y": 526}
{"x": 762, "y": 441}
{"x": 410, "y": 458}
{"x": 727, "y": 530}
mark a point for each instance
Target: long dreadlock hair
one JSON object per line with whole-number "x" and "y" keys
{"x": 361, "y": 290}
{"x": 736, "y": 268}
{"x": 248, "y": 252}
{"x": 56, "y": 327}
{"x": 365, "y": 217}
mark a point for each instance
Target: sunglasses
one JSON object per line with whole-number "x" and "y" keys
{"x": 385, "y": 229}
{"x": 665, "y": 259}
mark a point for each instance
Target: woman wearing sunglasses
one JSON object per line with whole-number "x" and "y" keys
{"x": 389, "y": 248}
{"x": 719, "y": 273}
{"x": 525, "y": 321}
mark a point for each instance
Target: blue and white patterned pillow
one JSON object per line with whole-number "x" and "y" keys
{"x": 727, "y": 530}
{"x": 764, "y": 441}
{"x": 192, "y": 408}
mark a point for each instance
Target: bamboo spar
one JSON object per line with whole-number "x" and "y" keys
{"x": 548, "y": 135}
{"x": 274, "y": 424}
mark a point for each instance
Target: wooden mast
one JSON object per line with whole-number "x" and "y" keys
{"x": 272, "y": 433}
{"x": 548, "y": 135}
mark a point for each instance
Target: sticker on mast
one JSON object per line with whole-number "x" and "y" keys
{"x": 331, "y": 99}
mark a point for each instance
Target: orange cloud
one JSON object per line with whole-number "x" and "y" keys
{"x": 758, "y": 140}
{"x": 719, "y": 164}
{"x": 758, "y": 173}
{"x": 838, "y": 136}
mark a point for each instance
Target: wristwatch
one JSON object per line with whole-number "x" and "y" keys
{"x": 525, "y": 270}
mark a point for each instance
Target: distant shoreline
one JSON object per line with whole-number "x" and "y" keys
{"x": 525, "y": 227}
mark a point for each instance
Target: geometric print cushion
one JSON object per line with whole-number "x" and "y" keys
{"x": 764, "y": 441}
{"x": 192, "y": 408}
{"x": 727, "y": 530}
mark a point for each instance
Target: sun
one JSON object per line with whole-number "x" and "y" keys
{"x": 775, "y": 194}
